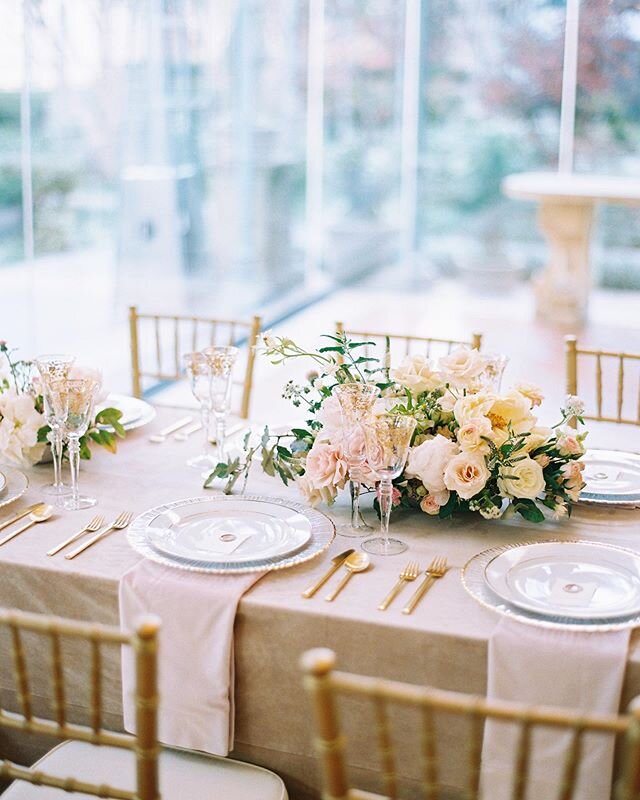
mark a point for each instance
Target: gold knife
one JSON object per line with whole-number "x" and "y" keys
{"x": 20, "y": 515}
{"x": 337, "y": 562}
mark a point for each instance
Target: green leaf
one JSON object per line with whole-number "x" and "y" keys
{"x": 85, "y": 452}
{"x": 331, "y": 349}
{"x": 449, "y": 507}
{"x": 529, "y": 510}
{"x": 300, "y": 433}
{"x": 43, "y": 433}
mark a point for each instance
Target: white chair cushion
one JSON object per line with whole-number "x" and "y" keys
{"x": 183, "y": 775}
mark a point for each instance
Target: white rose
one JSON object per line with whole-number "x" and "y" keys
{"x": 523, "y": 479}
{"x": 416, "y": 374}
{"x": 19, "y": 429}
{"x": 316, "y": 494}
{"x": 472, "y": 406}
{"x": 470, "y": 435}
{"x": 428, "y": 461}
{"x": 467, "y": 474}
{"x": 461, "y": 366}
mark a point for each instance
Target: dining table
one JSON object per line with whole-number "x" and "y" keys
{"x": 443, "y": 643}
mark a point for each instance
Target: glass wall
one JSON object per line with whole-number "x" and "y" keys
{"x": 220, "y": 155}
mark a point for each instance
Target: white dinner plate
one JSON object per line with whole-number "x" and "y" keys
{"x": 135, "y": 412}
{"x": 579, "y": 580}
{"x": 16, "y": 484}
{"x": 239, "y": 531}
{"x": 322, "y": 534}
{"x": 612, "y": 477}
{"x": 3, "y": 482}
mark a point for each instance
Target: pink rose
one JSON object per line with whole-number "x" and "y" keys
{"x": 325, "y": 466}
{"x": 572, "y": 475}
{"x": 543, "y": 459}
{"x": 432, "y": 502}
{"x": 569, "y": 445}
{"x": 330, "y": 415}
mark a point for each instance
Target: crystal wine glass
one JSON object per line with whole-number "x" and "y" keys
{"x": 54, "y": 367}
{"x": 73, "y": 401}
{"x": 221, "y": 360}
{"x": 491, "y": 375}
{"x": 198, "y": 370}
{"x": 388, "y": 438}
{"x": 356, "y": 401}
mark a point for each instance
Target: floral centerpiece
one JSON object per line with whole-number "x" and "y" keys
{"x": 24, "y": 430}
{"x": 474, "y": 448}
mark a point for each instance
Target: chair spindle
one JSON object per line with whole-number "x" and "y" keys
{"x": 57, "y": 675}
{"x": 521, "y": 771}
{"x": 429, "y": 754}
{"x": 21, "y": 673}
{"x": 385, "y": 746}
{"x": 571, "y": 763}
{"x": 96, "y": 685}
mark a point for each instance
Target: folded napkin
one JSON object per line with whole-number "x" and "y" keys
{"x": 195, "y": 660}
{"x": 578, "y": 670}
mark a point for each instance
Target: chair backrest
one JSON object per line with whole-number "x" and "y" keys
{"x": 404, "y": 344}
{"x": 158, "y": 342}
{"x": 609, "y": 369}
{"x": 325, "y": 686}
{"x": 17, "y": 625}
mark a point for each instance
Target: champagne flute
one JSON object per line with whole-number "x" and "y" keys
{"x": 388, "y": 438}
{"x": 356, "y": 401}
{"x": 73, "y": 401}
{"x": 221, "y": 360}
{"x": 54, "y": 367}
{"x": 199, "y": 372}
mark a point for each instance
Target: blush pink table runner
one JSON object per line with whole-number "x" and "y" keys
{"x": 195, "y": 660}
{"x": 576, "y": 670}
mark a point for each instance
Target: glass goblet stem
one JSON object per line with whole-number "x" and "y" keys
{"x": 221, "y": 434}
{"x": 357, "y": 520}
{"x": 386, "y": 501}
{"x": 56, "y": 451}
{"x": 205, "y": 419}
{"x": 74, "y": 467}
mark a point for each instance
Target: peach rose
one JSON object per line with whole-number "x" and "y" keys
{"x": 572, "y": 477}
{"x": 432, "y": 503}
{"x": 466, "y": 474}
{"x": 569, "y": 445}
{"x": 470, "y": 435}
{"x": 532, "y": 392}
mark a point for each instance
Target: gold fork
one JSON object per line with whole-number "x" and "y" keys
{"x": 436, "y": 569}
{"x": 92, "y": 526}
{"x": 408, "y": 574}
{"x": 120, "y": 522}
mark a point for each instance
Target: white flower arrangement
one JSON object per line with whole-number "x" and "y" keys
{"x": 474, "y": 448}
{"x": 23, "y": 427}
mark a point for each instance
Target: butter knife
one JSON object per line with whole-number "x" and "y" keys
{"x": 20, "y": 515}
{"x": 337, "y": 562}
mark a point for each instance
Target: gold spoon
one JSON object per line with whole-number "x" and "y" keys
{"x": 356, "y": 562}
{"x": 41, "y": 515}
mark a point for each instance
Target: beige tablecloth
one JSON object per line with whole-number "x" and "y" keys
{"x": 443, "y": 643}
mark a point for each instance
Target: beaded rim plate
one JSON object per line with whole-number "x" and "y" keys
{"x": 17, "y": 484}
{"x": 3, "y": 481}
{"x": 612, "y": 478}
{"x": 323, "y": 532}
{"x": 473, "y": 580}
{"x": 135, "y": 412}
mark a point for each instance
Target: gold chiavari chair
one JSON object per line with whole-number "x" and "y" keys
{"x": 92, "y": 758}
{"x": 325, "y": 685}
{"x": 428, "y": 345}
{"x": 161, "y": 339}
{"x": 609, "y": 368}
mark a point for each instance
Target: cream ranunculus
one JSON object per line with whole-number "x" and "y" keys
{"x": 461, "y": 366}
{"x": 470, "y": 435}
{"x": 511, "y": 410}
{"x": 523, "y": 479}
{"x": 472, "y": 406}
{"x": 416, "y": 374}
{"x": 429, "y": 460}
{"x": 466, "y": 474}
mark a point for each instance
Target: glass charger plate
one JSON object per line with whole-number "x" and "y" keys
{"x": 237, "y": 531}
{"x": 135, "y": 412}
{"x": 612, "y": 478}
{"x": 582, "y": 580}
{"x": 16, "y": 484}
{"x": 322, "y": 534}
{"x": 473, "y": 580}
